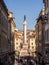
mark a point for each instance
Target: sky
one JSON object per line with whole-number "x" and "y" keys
{"x": 30, "y": 8}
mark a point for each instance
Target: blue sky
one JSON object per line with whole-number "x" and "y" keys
{"x": 30, "y": 8}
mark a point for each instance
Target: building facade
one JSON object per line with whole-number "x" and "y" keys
{"x": 12, "y": 38}
{"x": 40, "y": 38}
{"x": 4, "y": 46}
{"x": 31, "y": 36}
{"x": 46, "y": 4}
{"x": 18, "y": 40}
{"x": 6, "y": 36}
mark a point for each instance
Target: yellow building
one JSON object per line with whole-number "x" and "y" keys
{"x": 31, "y": 42}
{"x": 18, "y": 40}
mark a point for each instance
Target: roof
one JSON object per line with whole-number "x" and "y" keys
{"x": 30, "y": 30}
{"x": 10, "y": 12}
{"x": 29, "y": 33}
{"x": 20, "y": 31}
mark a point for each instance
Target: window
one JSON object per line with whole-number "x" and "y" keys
{"x": 32, "y": 43}
{"x": 32, "y": 47}
{"x": 16, "y": 47}
{"x": 16, "y": 39}
{"x": 47, "y": 3}
{"x": 17, "y": 43}
{"x": 47, "y": 35}
{"x": 21, "y": 45}
{"x": 32, "y": 39}
{"x": 0, "y": 43}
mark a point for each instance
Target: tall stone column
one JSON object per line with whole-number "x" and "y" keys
{"x": 24, "y": 30}
{"x": 24, "y": 50}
